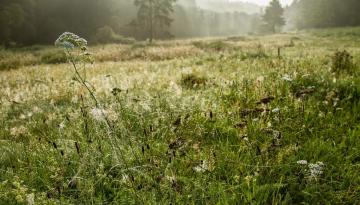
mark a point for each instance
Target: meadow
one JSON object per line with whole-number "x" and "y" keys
{"x": 240, "y": 120}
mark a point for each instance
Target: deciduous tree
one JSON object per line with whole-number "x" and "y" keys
{"x": 273, "y": 16}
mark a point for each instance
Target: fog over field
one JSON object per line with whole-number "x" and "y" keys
{"x": 263, "y": 2}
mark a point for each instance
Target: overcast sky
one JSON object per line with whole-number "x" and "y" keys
{"x": 265, "y": 2}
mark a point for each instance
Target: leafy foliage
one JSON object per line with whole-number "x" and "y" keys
{"x": 106, "y": 35}
{"x": 273, "y": 16}
{"x": 322, "y": 14}
{"x": 154, "y": 17}
{"x": 342, "y": 61}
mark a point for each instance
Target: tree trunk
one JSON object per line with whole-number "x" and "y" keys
{"x": 274, "y": 28}
{"x": 151, "y": 21}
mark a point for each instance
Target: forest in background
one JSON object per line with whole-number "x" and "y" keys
{"x": 28, "y": 22}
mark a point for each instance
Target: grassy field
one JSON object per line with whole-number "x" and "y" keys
{"x": 207, "y": 121}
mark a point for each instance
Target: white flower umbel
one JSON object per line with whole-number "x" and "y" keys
{"x": 287, "y": 78}
{"x": 276, "y": 110}
{"x": 302, "y": 162}
{"x": 98, "y": 114}
{"x": 204, "y": 166}
{"x": 69, "y": 41}
{"x": 316, "y": 170}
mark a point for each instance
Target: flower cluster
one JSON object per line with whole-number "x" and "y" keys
{"x": 302, "y": 162}
{"x": 315, "y": 170}
{"x": 69, "y": 40}
{"x": 98, "y": 114}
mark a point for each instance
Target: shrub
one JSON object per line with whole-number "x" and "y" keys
{"x": 13, "y": 60}
{"x": 107, "y": 35}
{"x": 237, "y": 38}
{"x": 9, "y": 63}
{"x": 257, "y": 54}
{"x": 342, "y": 61}
{"x": 192, "y": 80}
{"x": 53, "y": 57}
{"x": 213, "y": 46}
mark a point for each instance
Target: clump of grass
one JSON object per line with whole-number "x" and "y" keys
{"x": 258, "y": 53}
{"x": 342, "y": 61}
{"x": 213, "y": 46}
{"x": 237, "y": 38}
{"x": 193, "y": 80}
{"x": 54, "y": 57}
{"x": 14, "y": 59}
{"x": 9, "y": 63}
{"x": 290, "y": 44}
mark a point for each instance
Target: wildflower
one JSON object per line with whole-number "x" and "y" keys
{"x": 30, "y": 114}
{"x": 125, "y": 179}
{"x": 249, "y": 179}
{"x": 18, "y": 131}
{"x": 260, "y": 79}
{"x": 302, "y": 162}
{"x": 36, "y": 109}
{"x": 276, "y": 110}
{"x": 98, "y": 114}
{"x": 172, "y": 179}
{"x": 316, "y": 170}
{"x": 30, "y": 199}
{"x": 287, "y": 78}
{"x": 204, "y": 166}
{"x": 175, "y": 88}
{"x": 269, "y": 124}
{"x": 62, "y": 125}
{"x": 145, "y": 106}
{"x": 69, "y": 40}
{"x": 112, "y": 115}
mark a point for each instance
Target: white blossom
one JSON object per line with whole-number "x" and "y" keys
{"x": 316, "y": 169}
{"x": 204, "y": 166}
{"x": 302, "y": 162}
{"x": 98, "y": 114}
{"x": 287, "y": 78}
{"x": 276, "y": 110}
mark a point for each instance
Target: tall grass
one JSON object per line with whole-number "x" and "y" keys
{"x": 194, "y": 126}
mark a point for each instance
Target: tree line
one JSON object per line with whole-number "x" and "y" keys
{"x": 323, "y": 13}
{"x": 28, "y": 22}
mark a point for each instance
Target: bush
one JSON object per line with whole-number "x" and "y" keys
{"x": 192, "y": 80}
{"x": 13, "y": 60}
{"x": 9, "y": 63}
{"x": 54, "y": 57}
{"x": 342, "y": 61}
{"x": 258, "y": 53}
{"x": 107, "y": 35}
{"x": 213, "y": 46}
{"x": 237, "y": 38}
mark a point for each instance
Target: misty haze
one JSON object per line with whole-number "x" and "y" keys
{"x": 179, "y": 102}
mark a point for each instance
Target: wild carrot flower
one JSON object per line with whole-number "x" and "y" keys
{"x": 276, "y": 110}
{"x": 316, "y": 169}
{"x": 204, "y": 166}
{"x": 98, "y": 114}
{"x": 69, "y": 41}
{"x": 287, "y": 78}
{"x": 18, "y": 131}
{"x": 302, "y": 162}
